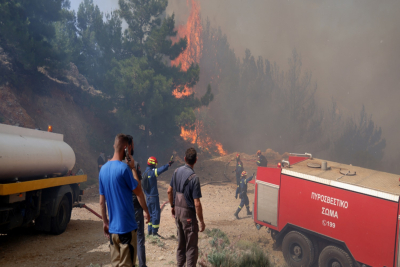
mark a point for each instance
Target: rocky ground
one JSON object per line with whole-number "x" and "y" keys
{"x": 83, "y": 243}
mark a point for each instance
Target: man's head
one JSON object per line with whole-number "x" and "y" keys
{"x": 258, "y": 152}
{"x": 131, "y": 145}
{"x": 238, "y": 156}
{"x": 244, "y": 174}
{"x": 191, "y": 156}
{"x": 121, "y": 141}
{"x": 152, "y": 162}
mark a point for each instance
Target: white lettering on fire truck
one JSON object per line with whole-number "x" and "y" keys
{"x": 330, "y": 200}
{"x": 329, "y": 212}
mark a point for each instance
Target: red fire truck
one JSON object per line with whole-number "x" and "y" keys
{"x": 324, "y": 213}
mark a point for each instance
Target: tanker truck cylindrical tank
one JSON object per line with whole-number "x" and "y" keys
{"x": 28, "y": 154}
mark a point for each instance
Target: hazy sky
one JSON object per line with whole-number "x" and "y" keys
{"x": 352, "y": 47}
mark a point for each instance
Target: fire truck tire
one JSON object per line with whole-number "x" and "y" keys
{"x": 298, "y": 250}
{"x": 332, "y": 256}
{"x": 60, "y": 221}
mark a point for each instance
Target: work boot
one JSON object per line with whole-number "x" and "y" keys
{"x": 237, "y": 213}
{"x": 248, "y": 211}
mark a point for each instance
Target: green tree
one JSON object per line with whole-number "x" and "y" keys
{"x": 144, "y": 82}
{"x": 100, "y": 38}
{"x": 361, "y": 143}
{"x": 27, "y": 29}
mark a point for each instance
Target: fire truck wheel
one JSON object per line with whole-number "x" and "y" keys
{"x": 60, "y": 221}
{"x": 332, "y": 256}
{"x": 297, "y": 249}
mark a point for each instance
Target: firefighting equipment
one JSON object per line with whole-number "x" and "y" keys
{"x": 244, "y": 173}
{"x": 171, "y": 161}
{"x": 152, "y": 161}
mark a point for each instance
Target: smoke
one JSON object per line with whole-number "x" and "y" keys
{"x": 350, "y": 46}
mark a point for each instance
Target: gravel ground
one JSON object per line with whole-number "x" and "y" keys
{"x": 83, "y": 243}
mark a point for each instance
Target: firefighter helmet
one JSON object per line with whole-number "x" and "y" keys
{"x": 244, "y": 173}
{"x": 258, "y": 152}
{"x": 152, "y": 161}
{"x": 237, "y": 155}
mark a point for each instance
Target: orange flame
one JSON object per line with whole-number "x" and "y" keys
{"x": 193, "y": 31}
{"x": 199, "y": 137}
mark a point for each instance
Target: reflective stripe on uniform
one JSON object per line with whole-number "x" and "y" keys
{"x": 150, "y": 224}
{"x": 240, "y": 207}
{"x": 156, "y": 226}
{"x": 155, "y": 172}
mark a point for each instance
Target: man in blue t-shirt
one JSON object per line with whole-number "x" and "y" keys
{"x": 116, "y": 184}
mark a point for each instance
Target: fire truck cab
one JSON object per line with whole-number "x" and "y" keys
{"x": 323, "y": 213}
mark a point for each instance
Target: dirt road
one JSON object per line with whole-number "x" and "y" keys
{"x": 83, "y": 243}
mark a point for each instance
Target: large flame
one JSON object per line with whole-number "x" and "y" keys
{"x": 199, "y": 137}
{"x": 193, "y": 31}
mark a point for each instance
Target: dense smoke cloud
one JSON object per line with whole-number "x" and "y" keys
{"x": 351, "y": 47}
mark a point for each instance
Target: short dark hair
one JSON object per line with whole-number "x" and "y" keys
{"x": 130, "y": 139}
{"x": 191, "y": 156}
{"x": 121, "y": 140}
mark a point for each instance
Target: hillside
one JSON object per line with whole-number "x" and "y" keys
{"x": 58, "y": 103}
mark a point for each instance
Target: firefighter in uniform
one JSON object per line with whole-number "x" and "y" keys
{"x": 149, "y": 184}
{"x": 262, "y": 160}
{"x": 242, "y": 192}
{"x": 239, "y": 169}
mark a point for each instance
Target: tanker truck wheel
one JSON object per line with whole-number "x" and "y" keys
{"x": 60, "y": 221}
{"x": 332, "y": 256}
{"x": 297, "y": 249}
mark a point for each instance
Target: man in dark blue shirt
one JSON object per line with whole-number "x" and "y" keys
{"x": 184, "y": 195}
{"x": 150, "y": 189}
{"x": 242, "y": 192}
{"x": 116, "y": 184}
{"x": 239, "y": 169}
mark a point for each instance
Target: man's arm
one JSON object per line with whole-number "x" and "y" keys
{"x": 162, "y": 169}
{"x": 199, "y": 212}
{"x": 249, "y": 179}
{"x": 171, "y": 200}
{"x": 140, "y": 196}
{"x": 104, "y": 216}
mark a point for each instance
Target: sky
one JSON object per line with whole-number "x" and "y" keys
{"x": 352, "y": 47}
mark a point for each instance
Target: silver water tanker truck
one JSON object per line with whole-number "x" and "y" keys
{"x": 35, "y": 185}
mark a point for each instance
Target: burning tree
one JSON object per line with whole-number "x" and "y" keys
{"x": 196, "y": 133}
{"x": 145, "y": 85}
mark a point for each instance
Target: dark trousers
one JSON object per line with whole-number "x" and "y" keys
{"x": 238, "y": 179}
{"x": 188, "y": 237}
{"x": 141, "y": 249}
{"x": 153, "y": 203}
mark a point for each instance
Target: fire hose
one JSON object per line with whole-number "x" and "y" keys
{"x": 83, "y": 205}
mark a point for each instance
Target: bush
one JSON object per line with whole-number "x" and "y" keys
{"x": 256, "y": 258}
{"x": 245, "y": 245}
{"x": 217, "y": 234}
{"x": 242, "y": 254}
